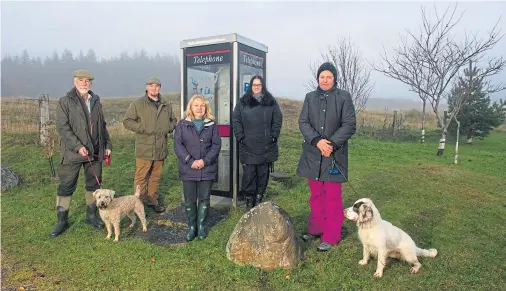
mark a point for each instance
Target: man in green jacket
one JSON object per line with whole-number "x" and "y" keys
{"x": 84, "y": 142}
{"x": 152, "y": 119}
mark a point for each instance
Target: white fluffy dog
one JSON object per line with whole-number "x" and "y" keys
{"x": 382, "y": 239}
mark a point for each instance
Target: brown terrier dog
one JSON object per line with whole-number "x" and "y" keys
{"x": 112, "y": 210}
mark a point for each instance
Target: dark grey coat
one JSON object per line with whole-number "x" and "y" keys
{"x": 190, "y": 145}
{"x": 329, "y": 115}
{"x": 73, "y": 125}
{"x": 257, "y": 126}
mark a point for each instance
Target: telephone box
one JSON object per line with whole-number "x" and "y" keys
{"x": 220, "y": 68}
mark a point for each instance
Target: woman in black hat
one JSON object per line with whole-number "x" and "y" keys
{"x": 327, "y": 121}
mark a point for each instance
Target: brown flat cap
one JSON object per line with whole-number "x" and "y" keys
{"x": 82, "y": 73}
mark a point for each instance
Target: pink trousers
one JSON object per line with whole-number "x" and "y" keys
{"x": 326, "y": 218}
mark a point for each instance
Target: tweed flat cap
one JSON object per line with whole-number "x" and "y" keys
{"x": 82, "y": 73}
{"x": 153, "y": 80}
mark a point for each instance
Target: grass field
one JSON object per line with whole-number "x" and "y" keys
{"x": 458, "y": 209}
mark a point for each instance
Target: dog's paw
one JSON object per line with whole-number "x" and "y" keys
{"x": 378, "y": 274}
{"x": 107, "y": 238}
{"x": 433, "y": 253}
{"x": 363, "y": 262}
{"x": 115, "y": 241}
{"x": 144, "y": 229}
{"x": 416, "y": 267}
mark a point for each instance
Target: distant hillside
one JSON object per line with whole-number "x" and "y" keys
{"x": 389, "y": 104}
{"x": 375, "y": 104}
{"x": 393, "y": 104}
{"x": 397, "y": 104}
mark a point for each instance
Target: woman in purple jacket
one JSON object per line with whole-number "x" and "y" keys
{"x": 197, "y": 145}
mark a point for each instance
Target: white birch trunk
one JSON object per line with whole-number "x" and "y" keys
{"x": 457, "y": 142}
{"x": 423, "y": 121}
{"x": 442, "y": 143}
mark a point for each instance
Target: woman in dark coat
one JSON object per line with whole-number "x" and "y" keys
{"x": 197, "y": 145}
{"x": 327, "y": 121}
{"x": 257, "y": 121}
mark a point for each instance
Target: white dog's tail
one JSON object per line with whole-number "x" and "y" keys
{"x": 432, "y": 253}
{"x": 138, "y": 191}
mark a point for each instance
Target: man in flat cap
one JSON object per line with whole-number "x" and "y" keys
{"x": 85, "y": 142}
{"x": 152, "y": 119}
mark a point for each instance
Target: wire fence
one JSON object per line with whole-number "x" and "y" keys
{"x": 30, "y": 115}
{"x": 23, "y": 114}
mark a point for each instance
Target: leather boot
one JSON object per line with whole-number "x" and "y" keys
{"x": 258, "y": 199}
{"x": 63, "y": 221}
{"x": 249, "y": 202}
{"x": 202, "y": 218}
{"x": 157, "y": 208}
{"x": 92, "y": 217}
{"x": 191, "y": 212}
{"x": 250, "y": 199}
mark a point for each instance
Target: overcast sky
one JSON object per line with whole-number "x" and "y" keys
{"x": 295, "y": 32}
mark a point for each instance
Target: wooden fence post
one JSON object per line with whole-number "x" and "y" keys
{"x": 43, "y": 118}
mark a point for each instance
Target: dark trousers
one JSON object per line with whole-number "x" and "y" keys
{"x": 69, "y": 174}
{"x": 194, "y": 191}
{"x": 255, "y": 178}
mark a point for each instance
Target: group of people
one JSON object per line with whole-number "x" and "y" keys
{"x": 327, "y": 121}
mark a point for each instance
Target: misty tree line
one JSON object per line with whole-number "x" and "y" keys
{"x": 123, "y": 75}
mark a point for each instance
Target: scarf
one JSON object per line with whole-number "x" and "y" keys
{"x": 198, "y": 123}
{"x": 258, "y": 96}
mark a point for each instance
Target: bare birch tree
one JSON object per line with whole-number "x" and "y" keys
{"x": 474, "y": 83}
{"x": 429, "y": 60}
{"x": 353, "y": 74}
{"x": 460, "y": 94}
{"x": 456, "y": 159}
